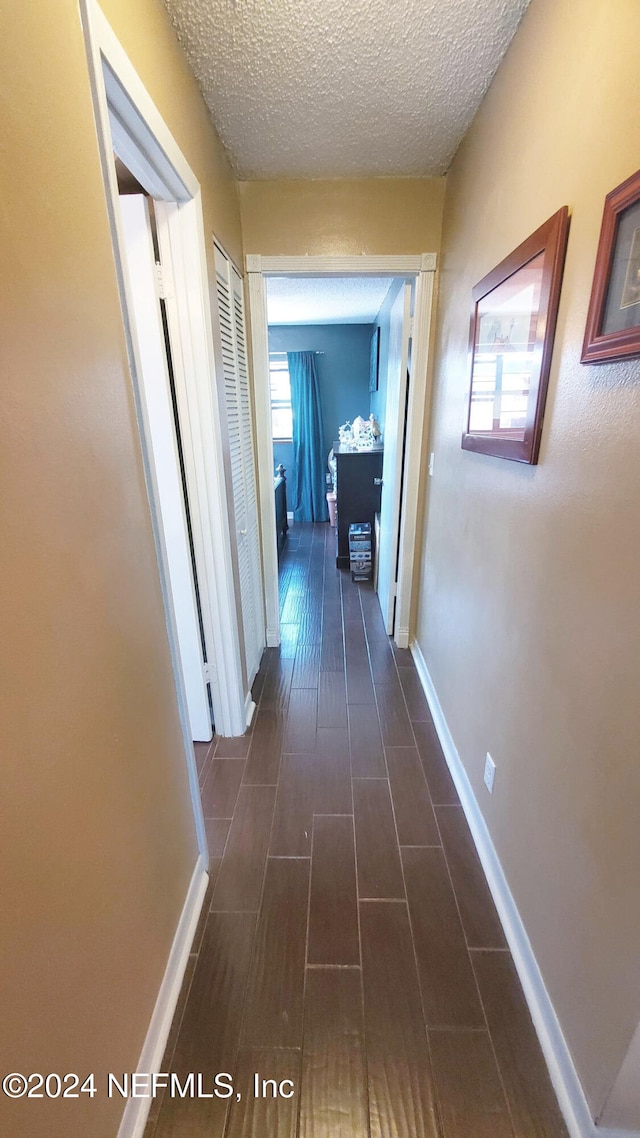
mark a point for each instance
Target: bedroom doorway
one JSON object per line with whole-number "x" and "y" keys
{"x": 274, "y": 280}
{"x": 352, "y": 334}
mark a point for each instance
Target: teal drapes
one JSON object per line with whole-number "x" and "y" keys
{"x": 309, "y": 500}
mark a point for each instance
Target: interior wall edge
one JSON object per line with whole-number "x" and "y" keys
{"x": 136, "y": 1111}
{"x": 571, "y": 1097}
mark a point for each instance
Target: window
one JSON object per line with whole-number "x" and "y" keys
{"x": 281, "y": 418}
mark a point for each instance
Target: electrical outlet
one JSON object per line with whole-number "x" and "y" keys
{"x": 432, "y": 459}
{"x": 489, "y": 773}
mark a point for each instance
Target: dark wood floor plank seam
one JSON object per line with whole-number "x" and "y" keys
{"x": 377, "y": 837}
{"x": 470, "y": 1095}
{"x": 365, "y": 1057}
{"x": 412, "y": 806}
{"x": 266, "y": 857}
{"x": 274, "y": 1001}
{"x": 420, "y": 845}
{"x": 469, "y": 951}
{"x": 332, "y": 931}
{"x": 401, "y": 1092}
{"x": 488, "y": 914}
{"x": 462, "y": 1001}
{"x": 384, "y": 900}
{"x": 194, "y": 1052}
{"x": 324, "y": 967}
{"x": 221, "y": 787}
{"x": 251, "y": 954}
{"x": 557, "y": 1126}
{"x": 331, "y": 813}
{"x": 436, "y": 769}
{"x": 404, "y": 699}
{"x": 214, "y": 828}
{"x": 333, "y": 1099}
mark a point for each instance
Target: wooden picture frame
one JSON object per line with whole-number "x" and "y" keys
{"x": 513, "y": 320}
{"x": 375, "y": 359}
{"x": 613, "y": 321}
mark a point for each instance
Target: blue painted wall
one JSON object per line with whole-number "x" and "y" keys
{"x": 283, "y": 453}
{"x": 343, "y": 374}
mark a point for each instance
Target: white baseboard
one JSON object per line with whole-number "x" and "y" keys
{"x": 402, "y": 638}
{"x": 136, "y": 1111}
{"x": 273, "y": 637}
{"x": 568, "y": 1088}
{"x": 249, "y": 709}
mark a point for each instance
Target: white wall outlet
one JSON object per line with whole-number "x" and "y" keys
{"x": 432, "y": 459}
{"x": 489, "y": 773}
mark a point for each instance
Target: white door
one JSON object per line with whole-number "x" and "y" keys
{"x": 394, "y": 422}
{"x": 231, "y": 325}
{"x": 156, "y": 392}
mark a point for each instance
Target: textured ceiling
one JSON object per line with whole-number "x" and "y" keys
{"x": 324, "y": 88}
{"x": 325, "y": 300}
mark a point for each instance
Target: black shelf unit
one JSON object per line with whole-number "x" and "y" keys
{"x": 358, "y": 494}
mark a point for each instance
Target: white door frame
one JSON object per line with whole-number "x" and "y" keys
{"x": 128, "y": 122}
{"x": 422, "y": 269}
{"x": 394, "y": 456}
{"x": 135, "y": 217}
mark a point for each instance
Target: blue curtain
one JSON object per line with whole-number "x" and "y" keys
{"x": 309, "y": 501}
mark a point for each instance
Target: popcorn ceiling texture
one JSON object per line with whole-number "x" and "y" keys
{"x": 325, "y": 300}
{"x": 324, "y": 88}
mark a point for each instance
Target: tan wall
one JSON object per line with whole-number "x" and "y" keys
{"x": 379, "y": 216}
{"x": 96, "y": 829}
{"x": 528, "y": 614}
{"x": 147, "y": 35}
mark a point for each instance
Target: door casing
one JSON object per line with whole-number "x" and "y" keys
{"x": 129, "y": 124}
{"x": 390, "y": 502}
{"x": 155, "y": 389}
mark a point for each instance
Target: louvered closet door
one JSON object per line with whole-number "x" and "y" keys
{"x": 243, "y": 473}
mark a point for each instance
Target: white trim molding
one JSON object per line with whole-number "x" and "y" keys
{"x": 418, "y": 413}
{"x": 421, "y": 267}
{"x": 571, "y": 1097}
{"x": 128, "y": 121}
{"x": 259, "y": 334}
{"x": 136, "y": 1111}
{"x": 347, "y": 266}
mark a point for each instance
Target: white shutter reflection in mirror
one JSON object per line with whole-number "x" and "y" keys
{"x": 241, "y": 455}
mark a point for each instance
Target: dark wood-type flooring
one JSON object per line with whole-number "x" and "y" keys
{"x": 348, "y": 941}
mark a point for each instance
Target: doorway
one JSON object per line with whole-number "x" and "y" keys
{"x": 408, "y": 416}
{"x": 157, "y": 380}
{"x": 129, "y": 126}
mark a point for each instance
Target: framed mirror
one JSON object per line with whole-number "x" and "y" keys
{"x": 513, "y": 322}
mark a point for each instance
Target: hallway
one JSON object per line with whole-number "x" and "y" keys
{"x": 348, "y": 941}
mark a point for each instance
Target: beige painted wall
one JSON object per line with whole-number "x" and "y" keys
{"x": 147, "y": 35}
{"x": 342, "y": 217}
{"x": 528, "y": 615}
{"x": 96, "y": 830}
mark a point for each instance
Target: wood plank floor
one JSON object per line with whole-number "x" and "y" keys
{"x": 348, "y": 950}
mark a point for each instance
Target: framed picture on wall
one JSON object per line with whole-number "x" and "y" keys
{"x": 613, "y": 321}
{"x": 513, "y": 323}
{"x": 375, "y": 360}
